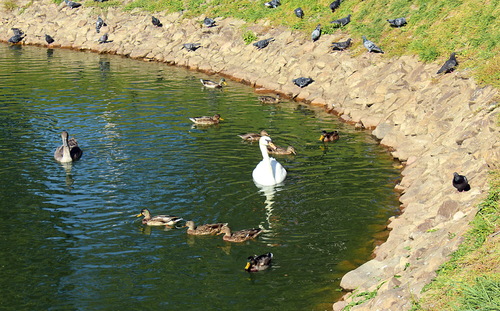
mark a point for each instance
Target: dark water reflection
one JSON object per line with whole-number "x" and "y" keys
{"x": 69, "y": 238}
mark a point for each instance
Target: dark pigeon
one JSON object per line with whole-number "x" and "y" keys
{"x": 99, "y": 23}
{"x": 156, "y": 21}
{"x": 49, "y": 39}
{"x": 72, "y": 5}
{"x": 398, "y": 22}
{"x": 17, "y": 31}
{"x": 273, "y": 4}
{"x": 302, "y": 82}
{"x": 316, "y": 33}
{"x": 100, "y": 0}
{"x": 16, "y": 39}
{"x": 342, "y": 21}
{"x": 341, "y": 45}
{"x": 262, "y": 43}
{"x": 460, "y": 182}
{"x": 103, "y": 38}
{"x": 371, "y": 47}
{"x": 335, "y": 5}
{"x": 449, "y": 65}
{"x": 191, "y": 46}
{"x": 209, "y": 22}
{"x": 299, "y": 13}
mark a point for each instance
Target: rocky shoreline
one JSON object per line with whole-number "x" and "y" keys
{"x": 435, "y": 125}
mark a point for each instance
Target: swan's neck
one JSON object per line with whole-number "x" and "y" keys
{"x": 267, "y": 160}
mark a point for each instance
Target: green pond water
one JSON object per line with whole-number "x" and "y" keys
{"x": 69, "y": 236}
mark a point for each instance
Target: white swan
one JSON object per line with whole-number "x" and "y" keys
{"x": 269, "y": 171}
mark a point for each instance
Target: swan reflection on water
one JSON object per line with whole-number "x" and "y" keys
{"x": 268, "y": 192}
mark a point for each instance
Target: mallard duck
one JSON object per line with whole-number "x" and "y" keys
{"x": 213, "y": 85}
{"x": 269, "y": 99}
{"x": 239, "y": 236}
{"x": 258, "y": 263}
{"x": 207, "y": 120}
{"x": 329, "y": 136}
{"x": 460, "y": 182}
{"x": 158, "y": 220}
{"x": 69, "y": 151}
{"x": 253, "y": 136}
{"x": 281, "y": 150}
{"x": 269, "y": 171}
{"x": 206, "y": 229}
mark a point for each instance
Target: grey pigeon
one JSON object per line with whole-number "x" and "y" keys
{"x": 341, "y": 45}
{"x": 72, "y": 5}
{"x": 342, "y": 21}
{"x": 16, "y": 38}
{"x": 460, "y": 182}
{"x": 17, "y": 31}
{"x": 302, "y": 82}
{"x": 99, "y": 23}
{"x": 209, "y": 22}
{"x": 156, "y": 21}
{"x": 100, "y": 0}
{"x": 263, "y": 43}
{"x": 449, "y": 65}
{"x": 398, "y": 22}
{"x": 191, "y": 46}
{"x": 316, "y": 33}
{"x": 273, "y": 4}
{"x": 299, "y": 13}
{"x": 103, "y": 38}
{"x": 371, "y": 47}
{"x": 335, "y": 5}
{"x": 49, "y": 39}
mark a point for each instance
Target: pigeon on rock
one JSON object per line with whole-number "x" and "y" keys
{"x": 191, "y": 46}
{"x": 316, "y": 33}
{"x": 398, "y": 22}
{"x": 302, "y": 82}
{"x": 449, "y": 65}
{"x": 460, "y": 182}
{"x": 342, "y": 21}
{"x": 72, "y": 5}
{"x": 16, "y": 39}
{"x": 17, "y": 31}
{"x": 99, "y": 24}
{"x": 335, "y": 5}
{"x": 299, "y": 13}
{"x": 49, "y": 39}
{"x": 262, "y": 43}
{"x": 209, "y": 22}
{"x": 103, "y": 38}
{"x": 156, "y": 22}
{"x": 341, "y": 45}
{"x": 371, "y": 47}
{"x": 273, "y": 4}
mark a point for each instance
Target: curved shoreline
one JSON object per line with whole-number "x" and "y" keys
{"x": 434, "y": 124}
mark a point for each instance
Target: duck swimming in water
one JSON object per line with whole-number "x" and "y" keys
{"x": 213, "y": 85}
{"x": 69, "y": 151}
{"x": 158, "y": 220}
{"x": 204, "y": 120}
{"x": 329, "y": 136}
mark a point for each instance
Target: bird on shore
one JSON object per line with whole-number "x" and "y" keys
{"x": 342, "y": 21}
{"x": 49, "y": 39}
{"x": 335, "y": 5}
{"x": 316, "y": 33}
{"x": 205, "y": 120}
{"x": 302, "y": 82}
{"x": 262, "y": 43}
{"x": 239, "y": 236}
{"x": 209, "y": 22}
{"x": 460, "y": 182}
{"x": 268, "y": 171}
{"x": 213, "y": 85}
{"x": 371, "y": 47}
{"x": 72, "y": 5}
{"x": 253, "y": 136}
{"x": 158, "y": 220}
{"x": 191, "y": 46}
{"x": 266, "y": 99}
{"x": 449, "y": 65}
{"x": 299, "y": 13}
{"x": 273, "y": 4}
{"x": 99, "y": 24}
{"x": 207, "y": 229}
{"x": 69, "y": 150}
{"x": 17, "y": 31}
{"x": 156, "y": 22}
{"x": 103, "y": 38}
{"x": 258, "y": 263}
{"x": 341, "y": 45}
{"x": 16, "y": 38}
{"x": 398, "y": 22}
{"x": 281, "y": 150}
{"x": 100, "y": 0}
{"x": 329, "y": 136}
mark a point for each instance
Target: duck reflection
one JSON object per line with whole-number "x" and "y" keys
{"x": 67, "y": 166}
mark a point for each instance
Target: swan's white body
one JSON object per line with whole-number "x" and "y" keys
{"x": 269, "y": 171}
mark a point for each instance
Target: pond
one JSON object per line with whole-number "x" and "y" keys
{"x": 69, "y": 236}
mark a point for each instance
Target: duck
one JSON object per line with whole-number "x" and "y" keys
{"x": 69, "y": 151}
{"x": 158, "y": 220}
{"x": 329, "y": 136}
{"x": 460, "y": 182}
{"x": 239, "y": 236}
{"x": 268, "y": 172}
{"x": 258, "y": 263}
{"x": 213, "y": 85}
{"x": 207, "y": 229}
{"x": 281, "y": 150}
{"x": 270, "y": 99}
{"x": 253, "y": 136}
{"x": 207, "y": 120}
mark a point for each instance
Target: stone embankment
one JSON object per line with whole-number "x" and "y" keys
{"x": 436, "y": 125}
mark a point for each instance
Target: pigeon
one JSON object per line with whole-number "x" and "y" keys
{"x": 103, "y": 38}
{"x": 335, "y": 5}
{"x": 49, "y": 39}
{"x": 209, "y": 22}
{"x": 460, "y": 182}
{"x": 72, "y": 5}
{"x": 398, "y": 22}
{"x": 299, "y": 13}
{"x": 342, "y": 21}
{"x": 17, "y": 31}
{"x": 449, "y": 65}
{"x": 99, "y": 23}
{"x": 191, "y": 46}
{"x": 302, "y": 82}
{"x": 316, "y": 33}
{"x": 371, "y": 47}
{"x": 100, "y": 0}
{"x": 341, "y": 45}
{"x": 262, "y": 43}
{"x": 273, "y": 4}
{"x": 156, "y": 21}
{"x": 16, "y": 38}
